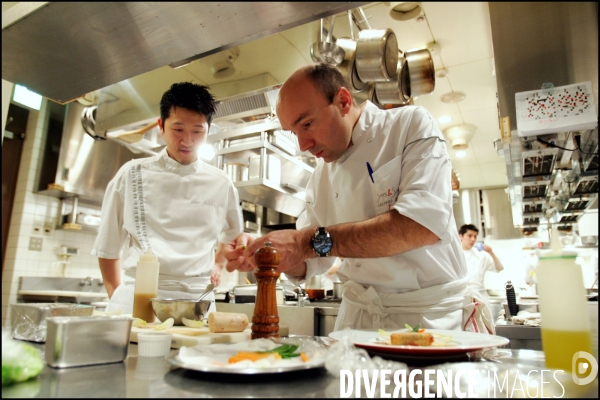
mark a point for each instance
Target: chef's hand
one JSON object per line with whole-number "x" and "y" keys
{"x": 235, "y": 253}
{"x": 487, "y": 248}
{"x": 293, "y": 247}
{"x": 215, "y": 275}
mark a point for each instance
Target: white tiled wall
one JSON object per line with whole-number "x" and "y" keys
{"x": 31, "y": 210}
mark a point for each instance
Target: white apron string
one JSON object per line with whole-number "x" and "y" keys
{"x": 445, "y": 298}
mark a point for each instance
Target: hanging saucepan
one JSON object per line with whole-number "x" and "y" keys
{"x": 395, "y": 91}
{"x": 421, "y": 71}
{"x": 360, "y": 90}
{"x": 376, "y": 55}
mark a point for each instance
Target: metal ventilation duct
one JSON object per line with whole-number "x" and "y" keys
{"x": 65, "y": 50}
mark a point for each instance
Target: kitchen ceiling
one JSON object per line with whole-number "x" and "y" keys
{"x": 461, "y": 30}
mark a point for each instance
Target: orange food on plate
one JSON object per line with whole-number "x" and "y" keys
{"x": 252, "y": 356}
{"x": 412, "y": 338}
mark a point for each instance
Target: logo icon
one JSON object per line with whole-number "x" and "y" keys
{"x": 581, "y": 367}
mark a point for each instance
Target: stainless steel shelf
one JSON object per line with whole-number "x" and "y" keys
{"x": 271, "y": 195}
{"x": 249, "y": 128}
{"x": 540, "y": 190}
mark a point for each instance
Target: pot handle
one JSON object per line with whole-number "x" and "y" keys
{"x": 330, "y": 32}
{"x": 351, "y": 24}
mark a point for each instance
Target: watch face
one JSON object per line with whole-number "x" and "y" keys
{"x": 322, "y": 243}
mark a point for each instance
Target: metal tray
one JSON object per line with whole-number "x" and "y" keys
{"x": 79, "y": 341}
{"x": 28, "y": 320}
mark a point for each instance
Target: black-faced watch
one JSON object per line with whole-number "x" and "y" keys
{"x": 322, "y": 242}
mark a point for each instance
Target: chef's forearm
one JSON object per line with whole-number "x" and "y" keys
{"x": 220, "y": 260}
{"x": 497, "y": 263}
{"x": 387, "y": 234}
{"x": 111, "y": 273}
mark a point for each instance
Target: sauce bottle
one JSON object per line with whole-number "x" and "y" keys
{"x": 565, "y": 322}
{"x": 146, "y": 286}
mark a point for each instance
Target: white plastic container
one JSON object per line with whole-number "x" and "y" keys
{"x": 154, "y": 344}
{"x": 565, "y": 321}
{"x": 146, "y": 286}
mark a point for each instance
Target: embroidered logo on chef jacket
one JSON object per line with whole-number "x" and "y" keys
{"x": 386, "y": 185}
{"x": 388, "y": 198}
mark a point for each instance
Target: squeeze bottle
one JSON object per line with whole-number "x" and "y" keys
{"x": 146, "y": 286}
{"x": 565, "y": 323}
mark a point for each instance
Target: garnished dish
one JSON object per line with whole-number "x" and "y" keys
{"x": 259, "y": 356}
{"x": 416, "y": 336}
{"x": 445, "y": 342}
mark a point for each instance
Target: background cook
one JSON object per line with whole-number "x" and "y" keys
{"x": 173, "y": 203}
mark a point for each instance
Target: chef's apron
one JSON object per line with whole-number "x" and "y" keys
{"x": 169, "y": 287}
{"x": 448, "y": 306}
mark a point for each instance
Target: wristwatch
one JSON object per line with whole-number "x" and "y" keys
{"x": 322, "y": 242}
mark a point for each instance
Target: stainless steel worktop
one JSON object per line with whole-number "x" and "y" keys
{"x": 143, "y": 377}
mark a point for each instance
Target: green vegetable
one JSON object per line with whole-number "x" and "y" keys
{"x": 285, "y": 351}
{"x": 20, "y": 362}
{"x": 415, "y": 329}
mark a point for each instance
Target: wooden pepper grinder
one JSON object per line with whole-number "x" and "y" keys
{"x": 265, "y": 322}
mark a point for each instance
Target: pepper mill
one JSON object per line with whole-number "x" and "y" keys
{"x": 265, "y": 322}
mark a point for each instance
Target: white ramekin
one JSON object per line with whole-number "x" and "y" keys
{"x": 154, "y": 344}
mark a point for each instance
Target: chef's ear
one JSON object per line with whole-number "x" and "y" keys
{"x": 345, "y": 99}
{"x": 161, "y": 126}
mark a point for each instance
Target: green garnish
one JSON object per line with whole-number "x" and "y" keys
{"x": 285, "y": 351}
{"x": 415, "y": 329}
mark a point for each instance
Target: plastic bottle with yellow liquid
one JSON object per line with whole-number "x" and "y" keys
{"x": 565, "y": 324}
{"x": 146, "y": 286}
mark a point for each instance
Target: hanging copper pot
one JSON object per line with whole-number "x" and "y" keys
{"x": 397, "y": 90}
{"x": 421, "y": 71}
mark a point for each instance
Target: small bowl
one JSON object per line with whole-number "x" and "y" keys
{"x": 154, "y": 344}
{"x": 314, "y": 294}
{"x": 180, "y": 308}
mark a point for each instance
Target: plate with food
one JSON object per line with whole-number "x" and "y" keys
{"x": 259, "y": 356}
{"x": 419, "y": 341}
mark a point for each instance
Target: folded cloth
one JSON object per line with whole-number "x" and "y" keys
{"x": 527, "y": 318}
{"x": 477, "y": 316}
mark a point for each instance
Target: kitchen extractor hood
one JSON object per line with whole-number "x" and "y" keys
{"x": 74, "y": 165}
{"x": 65, "y": 50}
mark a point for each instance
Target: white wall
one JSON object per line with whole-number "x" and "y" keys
{"x": 31, "y": 209}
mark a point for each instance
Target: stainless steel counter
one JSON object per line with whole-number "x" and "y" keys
{"x": 154, "y": 377}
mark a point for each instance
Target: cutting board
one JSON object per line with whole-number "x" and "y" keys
{"x": 201, "y": 336}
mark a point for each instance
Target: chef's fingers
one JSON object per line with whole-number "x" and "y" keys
{"x": 240, "y": 264}
{"x": 234, "y": 254}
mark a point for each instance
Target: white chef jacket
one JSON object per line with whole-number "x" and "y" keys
{"x": 478, "y": 263}
{"x": 412, "y": 175}
{"x": 179, "y": 211}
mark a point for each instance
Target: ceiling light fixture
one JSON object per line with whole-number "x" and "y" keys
{"x": 441, "y": 73}
{"x": 460, "y": 135}
{"x": 460, "y": 154}
{"x": 225, "y": 68}
{"x": 405, "y": 11}
{"x": 26, "y": 97}
{"x": 222, "y": 69}
{"x": 453, "y": 97}
{"x": 444, "y": 119}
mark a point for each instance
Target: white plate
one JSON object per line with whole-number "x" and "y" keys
{"x": 462, "y": 342}
{"x": 218, "y": 363}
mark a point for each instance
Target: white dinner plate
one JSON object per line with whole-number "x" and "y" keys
{"x": 218, "y": 363}
{"x": 459, "y": 342}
